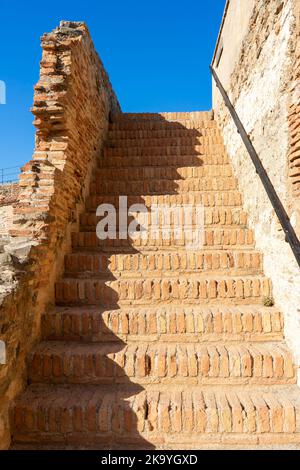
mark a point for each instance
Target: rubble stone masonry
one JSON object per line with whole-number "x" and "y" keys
{"x": 73, "y": 102}
{"x": 264, "y": 88}
{"x": 8, "y": 196}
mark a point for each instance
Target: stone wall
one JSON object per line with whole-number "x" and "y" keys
{"x": 6, "y": 217}
{"x": 72, "y": 104}
{"x": 235, "y": 25}
{"x": 8, "y": 196}
{"x": 261, "y": 89}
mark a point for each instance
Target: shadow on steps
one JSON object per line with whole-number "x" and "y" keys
{"x": 75, "y": 398}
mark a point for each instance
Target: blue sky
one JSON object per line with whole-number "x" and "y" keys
{"x": 156, "y": 52}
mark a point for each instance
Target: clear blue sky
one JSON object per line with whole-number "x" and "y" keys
{"x": 156, "y": 52}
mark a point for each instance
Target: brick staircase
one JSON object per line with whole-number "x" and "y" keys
{"x": 152, "y": 345}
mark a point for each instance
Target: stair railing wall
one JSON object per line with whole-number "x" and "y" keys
{"x": 290, "y": 234}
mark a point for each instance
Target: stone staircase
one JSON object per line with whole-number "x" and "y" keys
{"x": 153, "y": 345}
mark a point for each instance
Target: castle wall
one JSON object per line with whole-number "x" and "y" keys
{"x": 260, "y": 80}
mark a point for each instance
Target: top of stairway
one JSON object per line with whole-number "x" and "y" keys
{"x": 165, "y": 116}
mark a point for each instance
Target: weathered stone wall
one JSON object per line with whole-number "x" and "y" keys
{"x": 235, "y": 25}
{"x": 6, "y": 217}
{"x": 72, "y": 104}
{"x": 8, "y": 196}
{"x": 261, "y": 90}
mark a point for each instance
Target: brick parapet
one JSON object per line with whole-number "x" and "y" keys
{"x": 73, "y": 102}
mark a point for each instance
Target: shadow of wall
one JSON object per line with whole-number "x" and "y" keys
{"x": 119, "y": 410}
{"x": 145, "y": 167}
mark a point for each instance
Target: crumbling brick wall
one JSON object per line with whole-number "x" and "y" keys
{"x": 72, "y": 104}
{"x": 294, "y": 115}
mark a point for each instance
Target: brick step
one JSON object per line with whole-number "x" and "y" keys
{"x": 207, "y": 195}
{"x": 158, "y": 264}
{"x": 196, "y": 122}
{"x": 191, "y": 149}
{"x": 163, "y": 133}
{"x": 217, "y": 217}
{"x": 106, "y": 417}
{"x": 164, "y": 116}
{"x": 169, "y": 446}
{"x": 152, "y": 125}
{"x": 187, "y": 290}
{"x": 164, "y": 323}
{"x": 206, "y": 191}
{"x": 178, "y": 202}
{"x": 112, "y": 363}
{"x": 210, "y": 142}
{"x": 218, "y": 238}
{"x": 164, "y": 173}
{"x": 163, "y": 161}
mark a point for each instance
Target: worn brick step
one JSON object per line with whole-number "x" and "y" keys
{"x": 164, "y": 323}
{"x": 209, "y": 142}
{"x": 186, "y": 124}
{"x": 209, "y": 237}
{"x": 164, "y": 116}
{"x": 221, "y": 217}
{"x": 216, "y": 217}
{"x": 208, "y": 289}
{"x": 191, "y": 149}
{"x": 152, "y": 125}
{"x": 158, "y": 264}
{"x": 163, "y": 161}
{"x": 143, "y": 363}
{"x": 106, "y": 416}
{"x": 163, "y": 133}
{"x": 172, "y": 201}
{"x": 212, "y": 187}
{"x": 191, "y": 445}
{"x": 207, "y": 197}
{"x": 199, "y": 125}
{"x": 168, "y": 173}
